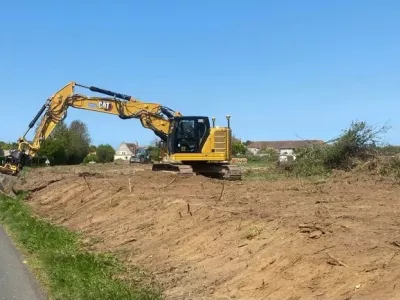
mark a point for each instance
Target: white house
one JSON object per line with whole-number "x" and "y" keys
{"x": 125, "y": 151}
{"x": 253, "y": 150}
{"x": 4, "y": 152}
{"x": 285, "y": 149}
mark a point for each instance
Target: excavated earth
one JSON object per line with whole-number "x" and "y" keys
{"x": 206, "y": 239}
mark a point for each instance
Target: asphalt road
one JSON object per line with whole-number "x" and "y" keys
{"x": 16, "y": 283}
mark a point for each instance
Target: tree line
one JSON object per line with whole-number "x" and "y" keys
{"x": 70, "y": 145}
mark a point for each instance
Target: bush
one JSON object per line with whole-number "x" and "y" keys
{"x": 309, "y": 161}
{"x": 89, "y": 158}
{"x": 105, "y": 153}
{"x": 391, "y": 167}
{"x": 358, "y": 143}
{"x": 154, "y": 153}
{"x": 261, "y": 158}
{"x": 389, "y": 150}
{"x": 238, "y": 148}
{"x": 255, "y": 158}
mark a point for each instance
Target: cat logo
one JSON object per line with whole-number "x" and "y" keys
{"x": 105, "y": 105}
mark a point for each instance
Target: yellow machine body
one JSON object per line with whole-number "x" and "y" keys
{"x": 191, "y": 143}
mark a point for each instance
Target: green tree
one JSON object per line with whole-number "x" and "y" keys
{"x": 54, "y": 150}
{"x": 54, "y": 147}
{"x": 67, "y": 144}
{"x": 105, "y": 153}
{"x": 60, "y": 132}
{"x": 238, "y": 148}
{"x": 154, "y": 152}
{"x": 8, "y": 146}
{"x": 78, "y": 142}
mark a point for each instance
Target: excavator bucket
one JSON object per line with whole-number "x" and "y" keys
{"x": 8, "y": 174}
{"x": 7, "y": 183}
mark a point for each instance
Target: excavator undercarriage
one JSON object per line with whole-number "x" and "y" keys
{"x": 219, "y": 171}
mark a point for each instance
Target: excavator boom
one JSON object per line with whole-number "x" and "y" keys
{"x": 152, "y": 115}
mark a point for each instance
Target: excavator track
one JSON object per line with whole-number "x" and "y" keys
{"x": 231, "y": 172}
{"x": 219, "y": 171}
{"x": 180, "y": 169}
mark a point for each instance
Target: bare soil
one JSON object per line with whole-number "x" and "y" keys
{"x": 207, "y": 239}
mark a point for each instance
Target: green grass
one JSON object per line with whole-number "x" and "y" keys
{"x": 62, "y": 264}
{"x": 267, "y": 175}
{"x": 276, "y": 174}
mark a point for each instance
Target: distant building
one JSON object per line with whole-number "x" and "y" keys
{"x": 4, "y": 152}
{"x": 125, "y": 151}
{"x": 283, "y": 148}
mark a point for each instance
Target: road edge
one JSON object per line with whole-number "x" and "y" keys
{"x": 37, "y": 287}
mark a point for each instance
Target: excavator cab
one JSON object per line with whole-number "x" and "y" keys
{"x": 188, "y": 134}
{"x": 194, "y": 146}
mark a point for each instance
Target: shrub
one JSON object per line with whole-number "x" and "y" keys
{"x": 390, "y": 167}
{"x": 154, "y": 152}
{"x": 389, "y": 150}
{"x": 261, "y": 158}
{"x": 238, "y": 148}
{"x": 358, "y": 143}
{"x": 89, "y": 158}
{"x": 105, "y": 153}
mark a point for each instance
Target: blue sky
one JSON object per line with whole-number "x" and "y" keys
{"x": 281, "y": 69}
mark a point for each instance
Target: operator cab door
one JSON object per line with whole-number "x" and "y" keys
{"x": 188, "y": 134}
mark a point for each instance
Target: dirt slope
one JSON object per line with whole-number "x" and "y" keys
{"x": 204, "y": 239}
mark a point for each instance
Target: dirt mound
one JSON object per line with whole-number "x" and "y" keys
{"x": 207, "y": 239}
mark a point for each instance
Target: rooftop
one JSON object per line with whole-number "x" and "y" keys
{"x": 131, "y": 146}
{"x": 284, "y": 144}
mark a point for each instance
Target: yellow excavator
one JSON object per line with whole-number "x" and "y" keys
{"x": 190, "y": 144}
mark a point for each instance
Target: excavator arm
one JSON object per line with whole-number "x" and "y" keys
{"x": 151, "y": 115}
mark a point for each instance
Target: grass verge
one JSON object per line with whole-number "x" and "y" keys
{"x": 64, "y": 267}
